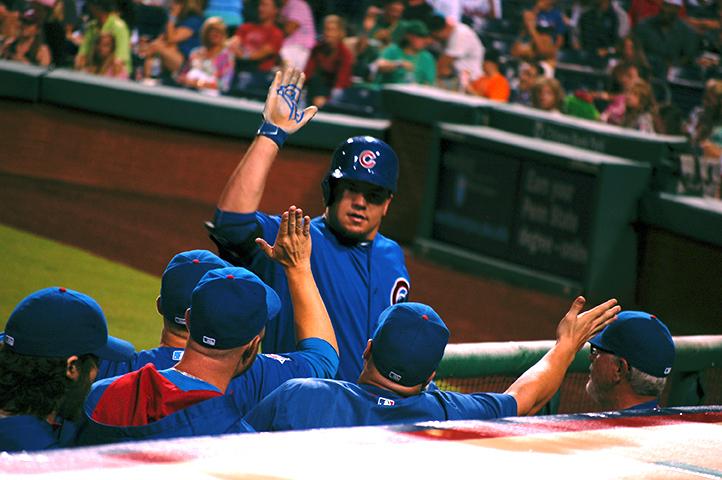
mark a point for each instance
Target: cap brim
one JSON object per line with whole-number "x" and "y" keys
{"x": 597, "y": 341}
{"x": 116, "y": 350}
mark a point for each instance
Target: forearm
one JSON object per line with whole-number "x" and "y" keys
{"x": 244, "y": 189}
{"x": 309, "y": 312}
{"x": 535, "y": 387}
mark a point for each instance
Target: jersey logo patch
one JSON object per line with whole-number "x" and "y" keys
{"x": 400, "y": 291}
{"x": 367, "y": 159}
{"x": 278, "y": 358}
{"x": 386, "y": 402}
{"x": 177, "y": 355}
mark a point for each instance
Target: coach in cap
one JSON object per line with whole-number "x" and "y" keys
{"x": 205, "y": 393}
{"x": 48, "y": 360}
{"x": 630, "y": 362}
{"x": 401, "y": 359}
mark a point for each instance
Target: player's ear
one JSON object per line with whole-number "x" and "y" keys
{"x": 388, "y": 202}
{"x": 367, "y": 350}
{"x": 72, "y": 369}
{"x": 157, "y": 305}
{"x": 188, "y": 319}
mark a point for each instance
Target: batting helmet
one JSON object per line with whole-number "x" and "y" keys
{"x": 364, "y": 159}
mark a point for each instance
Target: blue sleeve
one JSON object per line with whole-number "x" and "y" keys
{"x": 107, "y": 369}
{"x": 320, "y": 356}
{"x": 235, "y": 233}
{"x": 193, "y": 22}
{"x": 263, "y": 416}
{"x": 476, "y": 406}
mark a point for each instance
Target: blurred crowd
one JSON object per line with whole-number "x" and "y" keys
{"x": 606, "y": 60}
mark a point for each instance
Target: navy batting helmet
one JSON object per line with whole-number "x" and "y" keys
{"x": 363, "y": 159}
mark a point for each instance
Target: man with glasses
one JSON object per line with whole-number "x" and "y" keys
{"x": 359, "y": 271}
{"x": 630, "y": 362}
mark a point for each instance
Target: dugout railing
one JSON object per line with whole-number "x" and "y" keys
{"x": 696, "y": 377}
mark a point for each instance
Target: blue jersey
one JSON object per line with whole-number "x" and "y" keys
{"x": 311, "y": 403}
{"x": 357, "y": 281}
{"x": 28, "y": 432}
{"x": 161, "y": 357}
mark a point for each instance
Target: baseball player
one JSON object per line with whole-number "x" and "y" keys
{"x": 630, "y": 361}
{"x": 177, "y": 283}
{"x": 401, "y": 359}
{"x": 48, "y": 359}
{"x": 359, "y": 271}
{"x": 226, "y": 319}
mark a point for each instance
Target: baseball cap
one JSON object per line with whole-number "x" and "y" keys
{"x": 415, "y": 27}
{"x": 229, "y": 307}
{"x": 59, "y": 322}
{"x": 642, "y": 339}
{"x": 180, "y": 278}
{"x": 408, "y": 343}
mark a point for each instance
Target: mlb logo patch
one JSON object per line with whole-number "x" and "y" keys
{"x": 177, "y": 355}
{"x": 278, "y": 358}
{"x": 209, "y": 340}
{"x": 9, "y": 340}
{"x": 394, "y": 376}
{"x": 386, "y": 402}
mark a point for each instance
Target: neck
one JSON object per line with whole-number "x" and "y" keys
{"x": 103, "y": 17}
{"x": 622, "y": 398}
{"x": 214, "y": 371}
{"x": 371, "y": 376}
{"x": 170, "y": 338}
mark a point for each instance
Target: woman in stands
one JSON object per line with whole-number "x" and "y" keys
{"x": 29, "y": 45}
{"x": 182, "y": 34}
{"x": 547, "y": 94}
{"x": 641, "y": 108}
{"x": 103, "y": 61}
{"x": 210, "y": 66}
{"x": 328, "y": 70}
{"x": 624, "y": 75}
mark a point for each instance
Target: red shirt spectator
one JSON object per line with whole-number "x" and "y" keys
{"x": 257, "y": 45}
{"x": 641, "y": 9}
{"x": 330, "y": 63}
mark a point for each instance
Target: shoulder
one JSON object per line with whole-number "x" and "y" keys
{"x": 386, "y": 245}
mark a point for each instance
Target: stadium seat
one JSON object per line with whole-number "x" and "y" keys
{"x": 356, "y": 100}
{"x": 253, "y": 85}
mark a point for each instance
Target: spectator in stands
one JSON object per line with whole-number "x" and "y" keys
{"x": 599, "y": 29}
{"x": 29, "y": 44}
{"x": 580, "y": 104}
{"x": 230, "y": 11}
{"x": 667, "y": 39}
{"x": 408, "y": 62}
{"x": 640, "y": 108}
{"x": 492, "y": 84}
{"x": 642, "y": 9}
{"x": 328, "y": 70}
{"x": 257, "y": 45}
{"x": 48, "y": 359}
{"x": 400, "y": 361}
{"x": 536, "y": 43}
{"x": 462, "y": 53}
{"x": 381, "y": 25}
{"x": 300, "y": 31}
{"x": 418, "y": 10}
{"x": 527, "y": 76}
{"x": 547, "y": 94}
{"x": 547, "y": 16}
{"x": 630, "y": 362}
{"x": 583, "y": 6}
{"x": 449, "y": 9}
{"x": 105, "y": 20}
{"x": 226, "y": 320}
{"x": 210, "y": 66}
{"x": 181, "y": 36}
{"x": 631, "y": 51}
{"x": 102, "y": 60}
{"x": 62, "y": 20}
{"x": 624, "y": 75}
{"x": 705, "y": 122}
{"x": 475, "y": 12}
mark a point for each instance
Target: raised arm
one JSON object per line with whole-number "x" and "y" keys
{"x": 535, "y": 387}
{"x": 293, "y": 250}
{"x": 281, "y": 117}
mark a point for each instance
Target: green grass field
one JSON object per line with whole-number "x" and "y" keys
{"x": 127, "y": 296}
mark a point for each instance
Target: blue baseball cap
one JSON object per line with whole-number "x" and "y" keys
{"x": 59, "y": 322}
{"x": 408, "y": 343}
{"x": 180, "y": 278}
{"x": 229, "y": 307}
{"x": 640, "y": 338}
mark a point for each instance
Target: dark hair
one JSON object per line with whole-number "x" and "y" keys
{"x": 436, "y": 23}
{"x": 104, "y": 5}
{"x": 34, "y": 385}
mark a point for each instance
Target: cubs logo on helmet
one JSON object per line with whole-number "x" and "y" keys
{"x": 367, "y": 159}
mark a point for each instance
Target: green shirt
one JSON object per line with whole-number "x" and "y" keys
{"x": 115, "y": 26}
{"x": 424, "y": 72}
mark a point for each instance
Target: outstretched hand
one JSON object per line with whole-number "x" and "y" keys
{"x": 578, "y": 327}
{"x": 281, "y": 107}
{"x": 293, "y": 242}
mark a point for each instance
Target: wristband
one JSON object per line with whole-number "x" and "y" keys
{"x": 269, "y": 130}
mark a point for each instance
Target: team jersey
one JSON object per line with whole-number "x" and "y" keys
{"x": 28, "y": 432}
{"x": 161, "y": 357}
{"x": 213, "y": 415}
{"x": 357, "y": 281}
{"x": 312, "y": 403}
